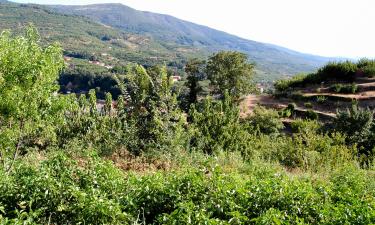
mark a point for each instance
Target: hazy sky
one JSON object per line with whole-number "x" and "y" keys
{"x": 323, "y": 27}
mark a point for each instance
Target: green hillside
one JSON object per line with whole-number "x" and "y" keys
{"x": 124, "y": 35}
{"x": 81, "y": 36}
{"x": 169, "y": 31}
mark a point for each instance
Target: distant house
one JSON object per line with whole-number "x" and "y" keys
{"x": 176, "y": 78}
{"x": 97, "y": 63}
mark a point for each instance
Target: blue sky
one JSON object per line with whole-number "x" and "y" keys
{"x": 322, "y": 27}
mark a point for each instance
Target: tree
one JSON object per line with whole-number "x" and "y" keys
{"x": 216, "y": 126}
{"x": 230, "y": 71}
{"x": 195, "y": 71}
{"x": 28, "y": 75}
{"x": 154, "y": 109}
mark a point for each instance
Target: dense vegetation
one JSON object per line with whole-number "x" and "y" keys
{"x": 332, "y": 72}
{"x": 69, "y": 160}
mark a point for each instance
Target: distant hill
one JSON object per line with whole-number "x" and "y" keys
{"x": 115, "y": 33}
{"x": 83, "y": 37}
{"x": 169, "y": 31}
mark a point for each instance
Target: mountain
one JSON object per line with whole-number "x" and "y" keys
{"x": 84, "y": 38}
{"x": 114, "y": 33}
{"x": 170, "y": 31}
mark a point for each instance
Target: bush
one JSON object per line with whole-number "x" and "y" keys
{"x": 300, "y": 80}
{"x": 344, "y": 88}
{"x": 311, "y": 114}
{"x": 367, "y": 67}
{"x": 308, "y": 105}
{"x": 369, "y": 70}
{"x": 211, "y": 133}
{"x": 321, "y": 99}
{"x": 304, "y": 126}
{"x": 358, "y": 126}
{"x": 339, "y": 70}
{"x": 59, "y": 191}
{"x": 266, "y": 120}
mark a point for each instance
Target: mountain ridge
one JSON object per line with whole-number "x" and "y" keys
{"x": 270, "y": 58}
{"x": 168, "y": 38}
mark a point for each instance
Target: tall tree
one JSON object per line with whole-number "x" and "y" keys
{"x": 28, "y": 75}
{"x": 229, "y": 70}
{"x": 195, "y": 72}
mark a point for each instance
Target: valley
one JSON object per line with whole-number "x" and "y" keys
{"x": 110, "y": 115}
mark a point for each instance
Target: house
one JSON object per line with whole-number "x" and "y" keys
{"x": 176, "y": 78}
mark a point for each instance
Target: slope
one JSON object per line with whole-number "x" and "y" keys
{"x": 170, "y": 31}
{"x": 81, "y": 37}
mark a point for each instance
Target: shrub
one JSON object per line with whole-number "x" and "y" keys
{"x": 339, "y": 71}
{"x": 369, "y": 70}
{"x": 216, "y": 127}
{"x": 304, "y": 126}
{"x": 266, "y": 120}
{"x": 358, "y": 126}
{"x": 321, "y": 99}
{"x": 344, "y": 88}
{"x": 308, "y": 105}
{"x": 59, "y": 191}
{"x": 311, "y": 114}
{"x": 300, "y": 80}
{"x": 364, "y": 62}
{"x": 292, "y": 106}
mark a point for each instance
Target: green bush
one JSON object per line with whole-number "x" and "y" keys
{"x": 266, "y": 120}
{"x": 311, "y": 114}
{"x": 344, "y": 88}
{"x": 61, "y": 192}
{"x": 321, "y": 99}
{"x": 369, "y": 70}
{"x": 342, "y": 71}
{"x": 339, "y": 70}
{"x": 308, "y": 105}
{"x": 300, "y": 80}
{"x": 304, "y": 126}
{"x": 216, "y": 127}
{"x": 358, "y": 126}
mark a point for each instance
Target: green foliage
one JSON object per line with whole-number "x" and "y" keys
{"x": 60, "y": 191}
{"x": 367, "y": 67}
{"x": 333, "y": 71}
{"x": 223, "y": 169}
{"x": 344, "y": 88}
{"x": 216, "y": 126}
{"x": 312, "y": 115}
{"x": 358, "y": 126}
{"x": 284, "y": 85}
{"x": 369, "y": 70}
{"x": 304, "y": 126}
{"x": 230, "y": 71}
{"x": 154, "y": 110}
{"x": 308, "y": 105}
{"x": 339, "y": 70}
{"x": 27, "y": 86}
{"x": 265, "y": 120}
{"x": 195, "y": 73}
{"x": 321, "y": 99}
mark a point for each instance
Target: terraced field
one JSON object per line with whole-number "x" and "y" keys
{"x": 318, "y": 98}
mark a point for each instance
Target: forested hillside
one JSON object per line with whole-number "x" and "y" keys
{"x": 149, "y": 38}
{"x": 153, "y": 158}
{"x": 83, "y": 38}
